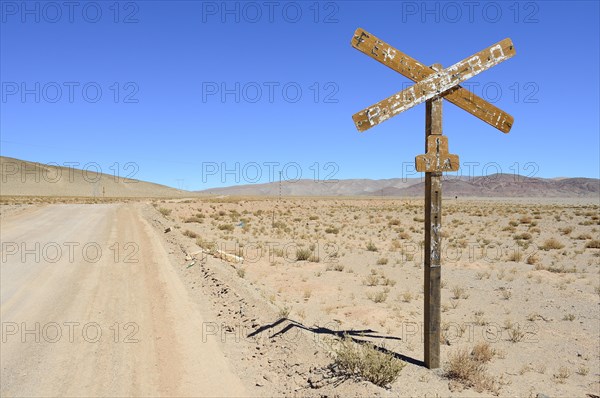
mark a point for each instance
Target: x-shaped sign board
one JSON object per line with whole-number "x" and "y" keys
{"x": 431, "y": 83}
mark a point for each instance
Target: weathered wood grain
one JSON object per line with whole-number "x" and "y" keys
{"x": 446, "y": 85}
{"x": 433, "y": 240}
{"x": 437, "y": 158}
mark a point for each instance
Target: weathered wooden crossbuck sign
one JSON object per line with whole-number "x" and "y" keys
{"x": 432, "y": 84}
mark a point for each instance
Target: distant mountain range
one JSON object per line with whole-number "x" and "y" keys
{"x": 496, "y": 185}
{"x": 25, "y": 178}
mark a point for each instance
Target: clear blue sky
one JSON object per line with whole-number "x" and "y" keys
{"x": 161, "y": 68}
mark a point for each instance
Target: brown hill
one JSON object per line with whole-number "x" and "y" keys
{"x": 24, "y": 178}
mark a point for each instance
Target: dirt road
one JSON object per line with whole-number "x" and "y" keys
{"x": 91, "y": 306}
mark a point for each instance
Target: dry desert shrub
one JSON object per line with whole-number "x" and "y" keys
{"x": 466, "y": 369}
{"x": 284, "y": 312}
{"x": 339, "y": 267}
{"x": 516, "y": 256}
{"x": 385, "y": 281}
{"x": 525, "y": 220}
{"x": 378, "y": 297}
{"x": 458, "y": 292}
{"x": 198, "y": 218}
{"x": 516, "y": 334}
{"x": 593, "y": 244}
{"x": 565, "y": 230}
{"x": 226, "y": 227}
{"x": 532, "y": 260}
{"x": 164, "y": 211}
{"x": 483, "y": 352}
{"x": 552, "y": 244}
{"x": 569, "y": 317}
{"x": 190, "y": 234}
{"x": 523, "y": 236}
{"x": 371, "y": 280}
{"x": 365, "y": 362}
{"x": 482, "y": 274}
{"x": 562, "y": 375}
{"x": 371, "y": 247}
{"x": 303, "y": 254}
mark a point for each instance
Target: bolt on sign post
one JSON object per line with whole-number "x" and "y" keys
{"x": 432, "y": 85}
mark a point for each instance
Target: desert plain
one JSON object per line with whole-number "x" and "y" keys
{"x": 305, "y": 296}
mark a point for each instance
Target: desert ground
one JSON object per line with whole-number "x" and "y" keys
{"x": 277, "y": 297}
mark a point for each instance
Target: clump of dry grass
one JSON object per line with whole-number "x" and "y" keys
{"x": 516, "y": 256}
{"x": 593, "y": 244}
{"x": 458, "y": 292}
{"x": 483, "y": 352}
{"x": 190, "y": 234}
{"x": 371, "y": 280}
{"x": 339, "y": 267}
{"x": 532, "y": 260}
{"x": 198, "y": 218}
{"x": 284, "y": 312}
{"x": 523, "y": 236}
{"x": 552, "y": 244}
{"x": 371, "y": 247}
{"x": 566, "y": 230}
{"x": 562, "y": 375}
{"x": 306, "y": 254}
{"x": 378, "y": 297}
{"x": 226, "y": 227}
{"x": 164, "y": 211}
{"x": 468, "y": 368}
{"x": 525, "y": 220}
{"x": 569, "y": 317}
{"x": 365, "y": 362}
{"x": 516, "y": 334}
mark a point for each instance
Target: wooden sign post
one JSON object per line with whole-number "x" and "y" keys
{"x": 433, "y": 84}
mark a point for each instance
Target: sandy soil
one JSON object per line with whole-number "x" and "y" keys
{"x": 221, "y": 305}
{"x": 85, "y": 323}
{"x": 522, "y": 276}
